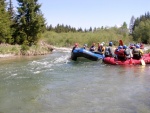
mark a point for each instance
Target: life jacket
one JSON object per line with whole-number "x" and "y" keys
{"x": 107, "y": 52}
{"x": 101, "y": 49}
{"x": 136, "y": 52}
{"x": 98, "y": 49}
{"x": 92, "y": 48}
{"x": 127, "y": 52}
{"x": 120, "y": 53}
{"x": 74, "y": 48}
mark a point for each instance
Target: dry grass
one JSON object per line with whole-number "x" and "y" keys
{"x": 39, "y": 49}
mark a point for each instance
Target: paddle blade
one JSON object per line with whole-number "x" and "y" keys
{"x": 143, "y": 62}
{"x": 130, "y": 62}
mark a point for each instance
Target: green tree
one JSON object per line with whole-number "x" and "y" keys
{"x": 141, "y": 29}
{"x": 123, "y": 29}
{"x": 142, "y": 32}
{"x": 30, "y": 22}
{"x": 50, "y": 28}
{"x": 5, "y": 31}
{"x": 141, "y": 18}
{"x": 90, "y": 29}
{"x": 10, "y": 9}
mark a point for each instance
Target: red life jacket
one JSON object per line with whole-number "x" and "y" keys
{"x": 120, "y": 53}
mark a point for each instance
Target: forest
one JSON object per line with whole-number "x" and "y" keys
{"x": 27, "y": 25}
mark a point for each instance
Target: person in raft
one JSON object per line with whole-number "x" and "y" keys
{"x": 109, "y": 52}
{"x": 92, "y": 48}
{"x": 84, "y": 46}
{"x": 75, "y": 47}
{"x": 127, "y": 52}
{"x": 137, "y": 52}
{"x": 121, "y": 54}
{"x": 101, "y": 48}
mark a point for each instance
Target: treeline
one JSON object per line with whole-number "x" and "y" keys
{"x": 61, "y": 28}
{"x": 141, "y": 29}
{"x": 68, "y": 39}
{"x": 23, "y": 26}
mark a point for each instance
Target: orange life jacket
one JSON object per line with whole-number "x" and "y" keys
{"x": 101, "y": 49}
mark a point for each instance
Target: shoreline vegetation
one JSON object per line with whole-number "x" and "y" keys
{"x": 51, "y": 40}
{"x": 24, "y": 31}
{"x": 42, "y": 48}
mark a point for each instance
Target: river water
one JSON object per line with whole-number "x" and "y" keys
{"x": 55, "y": 84}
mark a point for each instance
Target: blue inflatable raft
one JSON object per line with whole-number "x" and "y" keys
{"x": 94, "y": 56}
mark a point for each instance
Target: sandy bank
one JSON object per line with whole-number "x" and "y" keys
{"x": 6, "y": 55}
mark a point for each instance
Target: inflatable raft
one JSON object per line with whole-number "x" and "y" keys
{"x": 113, "y": 61}
{"x": 94, "y": 56}
{"x": 132, "y": 46}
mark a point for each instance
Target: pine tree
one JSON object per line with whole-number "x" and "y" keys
{"x": 30, "y": 22}
{"x": 10, "y": 9}
{"x": 131, "y": 24}
{"x": 90, "y": 29}
{"x": 5, "y": 32}
{"x": 141, "y": 29}
{"x": 123, "y": 29}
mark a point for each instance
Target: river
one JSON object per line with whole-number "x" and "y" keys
{"x": 55, "y": 84}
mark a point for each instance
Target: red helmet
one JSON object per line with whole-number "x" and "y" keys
{"x": 76, "y": 44}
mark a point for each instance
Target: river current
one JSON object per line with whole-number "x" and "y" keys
{"x": 55, "y": 84}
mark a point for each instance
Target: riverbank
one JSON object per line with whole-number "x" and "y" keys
{"x": 6, "y": 55}
{"x": 41, "y": 48}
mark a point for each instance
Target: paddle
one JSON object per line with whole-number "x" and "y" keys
{"x": 143, "y": 62}
{"x": 130, "y": 62}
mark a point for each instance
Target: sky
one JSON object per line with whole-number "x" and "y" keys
{"x": 91, "y": 13}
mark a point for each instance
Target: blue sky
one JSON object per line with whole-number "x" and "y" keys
{"x": 91, "y": 13}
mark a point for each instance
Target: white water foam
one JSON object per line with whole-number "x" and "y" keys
{"x": 62, "y": 49}
{"x": 40, "y": 66}
{"x": 39, "y": 63}
{"x": 61, "y": 59}
{"x": 36, "y": 72}
{"x": 48, "y": 63}
{"x": 12, "y": 75}
{"x": 23, "y": 77}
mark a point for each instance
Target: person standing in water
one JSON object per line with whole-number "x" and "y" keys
{"x": 75, "y": 46}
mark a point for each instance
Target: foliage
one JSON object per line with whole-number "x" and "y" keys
{"x": 142, "y": 32}
{"x": 29, "y": 22}
{"x": 27, "y": 26}
{"x": 24, "y": 47}
{"x": 5, "y": 31}
{"x": 67, "y": 28}
{"x": 141, "y": 29}
{"x": 102, "y": 35}
{"x": 7, "y": 49}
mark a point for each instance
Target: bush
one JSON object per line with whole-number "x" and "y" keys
{"x": 67, "y": 39}
{"x": 24, "y": 47}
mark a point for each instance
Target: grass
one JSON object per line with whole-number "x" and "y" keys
{"x": 25, "y": 50}
{"x": 9, "y": 49}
